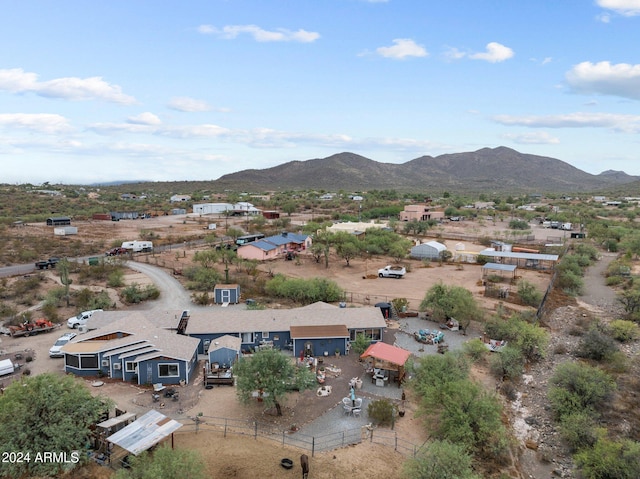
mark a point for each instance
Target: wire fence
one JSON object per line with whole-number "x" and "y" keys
{"x": 293, "y": 438}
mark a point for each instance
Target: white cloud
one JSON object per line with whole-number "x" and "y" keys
{"x": 452, "y": 53}
{"x": 145, "y": 118}
{"x": 187, "y": 104}
{"x": 402, "y": 48}
{"x": 532, "y": 138}
{"x": 16, "y": 80}
{"x": 38, "y": 122}
{"x": 604, "y": 78}
{"x": 259, "y": 34}
{"x": 621, "y": 123}
{"x": 495, "y": 53}
{"x": 627, "y": 8}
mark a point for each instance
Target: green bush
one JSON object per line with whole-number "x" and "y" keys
{"x": 624, "y": 331}
{"x": 528, "y": 293}
{"x": 507, "y": 364}
{"x": 579, "y": 388}
{"x": 578, "y": 430}
{"x": 382, "y": 412}
{"x": 304, "y": 291}
{"x": 475, "y": 350}
{"x": 619, "y": 459}
{"x": 134, "y": 294}
{"x": 596, "y": 345}
{"x": 441, "y": 459}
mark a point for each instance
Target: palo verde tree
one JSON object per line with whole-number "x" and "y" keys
{"x": 272, "y": 374}
{"x": 46, "y": 413}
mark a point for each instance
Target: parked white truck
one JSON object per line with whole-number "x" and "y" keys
{"x": 138, "y": 246}
{"x": 392, "y": 272}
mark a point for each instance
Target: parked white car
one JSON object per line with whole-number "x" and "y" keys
{"x": 81, "y": 318}
{"x": 55, "y": 351}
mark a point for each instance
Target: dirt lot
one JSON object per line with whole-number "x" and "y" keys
{"x": 226, "y": 454}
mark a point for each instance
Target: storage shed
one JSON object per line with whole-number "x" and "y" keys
{"x": 65, "y": 231}
{"x": 226, "y": 293}
{"x": 430, "y": 250}
{"x": 58, "y": 221}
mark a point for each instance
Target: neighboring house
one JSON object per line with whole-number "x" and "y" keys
{"x": 276, "y": 246}
{"x": 319, "y": 327}
{"x": 430, "y": 250}
{"x": 237, "y": 209}
{"x": 356, "y": 228}
{"x": 59, "y": 221}
{"x": 179, "y": 198}
{"x": 133, "y": 349}
{"x": 420, "y": 213}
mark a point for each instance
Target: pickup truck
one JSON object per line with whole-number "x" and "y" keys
{"x": 46, "y": 264}
{"x": 392, "y": 272}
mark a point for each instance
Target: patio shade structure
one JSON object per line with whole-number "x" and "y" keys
{"x": 385, "y": 356}
{"x": 144, "y": 433}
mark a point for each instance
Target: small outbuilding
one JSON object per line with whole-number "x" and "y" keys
{"x": 59, "y": 221}
{"x": 224, "y": 350}
{"x": 430, "y": 250}
{"x": 226, "y": 294}
{"x": 141, "y": 435}
{"x": 386, "y": 363}
{"x": 65, "y": 231}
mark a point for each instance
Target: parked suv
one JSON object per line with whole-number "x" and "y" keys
{"x": 55, "y": 352}
{"x": 81, "y": 318}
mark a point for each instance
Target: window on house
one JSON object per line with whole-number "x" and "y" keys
{"x": 248, "y": 338}
{"x": 88, "y": 362}
{"x": 265, "y": 335}
{"x": 130, "y": 366}
{"x": 170, "y": 370}
{"x": 71, "y": 361}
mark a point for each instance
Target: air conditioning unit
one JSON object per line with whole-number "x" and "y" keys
{"x": 105, "y": 362}
{"x": 117, "y": 366}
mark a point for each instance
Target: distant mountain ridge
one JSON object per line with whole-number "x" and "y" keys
{"x": 488, "y": 169}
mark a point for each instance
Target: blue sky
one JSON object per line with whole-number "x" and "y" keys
{"x": 164, "y": 90}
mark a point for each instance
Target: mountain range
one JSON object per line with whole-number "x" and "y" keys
{"x": 488, "y": 169}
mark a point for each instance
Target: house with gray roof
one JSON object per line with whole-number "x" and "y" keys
{"x": 133, "y": 349}
{"x": 277, "y": 246}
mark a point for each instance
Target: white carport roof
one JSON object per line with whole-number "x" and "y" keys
{"x": 144, "y": 433}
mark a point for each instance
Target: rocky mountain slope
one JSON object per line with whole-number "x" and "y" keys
{"x": 488, "y": 169}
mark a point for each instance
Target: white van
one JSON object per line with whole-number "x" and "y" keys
{"x": 7, "y": 367}
{"x": 81, "y": 318}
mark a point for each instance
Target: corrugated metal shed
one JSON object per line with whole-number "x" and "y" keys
{"x": 144, "y": 433}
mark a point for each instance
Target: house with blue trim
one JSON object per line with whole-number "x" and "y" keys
{"x": 133, "y": 349}
{"x": 277, "y": 246}
{"x": 315, "y": 329}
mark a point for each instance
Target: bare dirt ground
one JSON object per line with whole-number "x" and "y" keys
{"x": 226, "y": 457}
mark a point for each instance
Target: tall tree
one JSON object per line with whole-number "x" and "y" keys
{"x": 44, "y": 413}
{"x": 272, "y": 374}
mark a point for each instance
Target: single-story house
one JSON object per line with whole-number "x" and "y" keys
{"x": 276, "y": 246}
{"x": 334, "y": 327}
{"x": 180, "y": 198}
{"x": 355, "y": 227}
{"x": 430, "y": 250}
{"x": 133, "y": 349}
{"x": 420, "y": 213}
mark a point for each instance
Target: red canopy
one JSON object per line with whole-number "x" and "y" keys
{"x": 386, "y": 352}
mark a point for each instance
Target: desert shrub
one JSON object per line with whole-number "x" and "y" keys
{"x": 528, "y": 293}
{"x": 201, "y": 278}
{"x": 587, "y": 250}
{"x": 614, "y": 280}
{"x": 115, "y": 279}
{"x": 305, "y": 291}
{"x": 579, "y": 388}
{"x": 624, "y": 331}
{"x": 561, "y": 348}
{"x": 86, "y": 299}
{"x": 441, "y": 459}
{"x": 360, "y": 344}
{"x": 616, "y": 363}
{"x": 578, "y": 430}
{"x": 608, "y": 458}
{"x": 482, "y": 259}
{"x": 518, "y": 225}
{"x": 507, "y": 364}
{"x": 509, "y": 390}
{"x": 475, "y": 349}
{"x": 570, "y": 283}
{"x": 596, "y": 345}
{"x": 382, "y": 412}
{"x": 134, "y": 294}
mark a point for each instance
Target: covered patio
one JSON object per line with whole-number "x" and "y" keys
{"x": 385, "y": 363}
